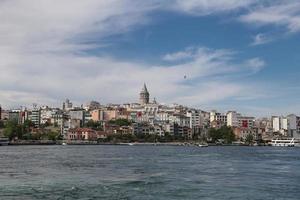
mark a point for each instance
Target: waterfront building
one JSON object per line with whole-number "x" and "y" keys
{"x": 217, "y": 119}
{"x": 82, "y": 134}
{"x": 46, "y": 115}
{"x": 294, "y": 126}
{"x": 280, "y": 125}
{"x": 57, "y": 117}
{"x": 18, "y": 115}
{"x": 69, "y": 124}
{"x": 35, "y": 117}
{"x": 232, "y": 118}
{"x": 235, "y": 119}
{"x": 87, "y": 116}
{"x": 77, "y": 115}
{"x": 195, "y": 118}
{"x": 180, "y": 119}
{"x": 241, "y": 133}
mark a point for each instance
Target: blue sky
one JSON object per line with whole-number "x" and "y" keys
{"x": 236, "y": 55}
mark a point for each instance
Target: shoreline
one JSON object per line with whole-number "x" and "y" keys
{"x": 48, "y": 142}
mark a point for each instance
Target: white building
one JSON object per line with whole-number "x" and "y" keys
{"x": 235, "y": 119}
{"x": 218, "y": 117}
{"x": 35, "y": 117}
{"x": 280, "y": 124}
{"x": 195, "y": 118}
{"x": 180, "y": 119}
{"x": 232, "y": 119}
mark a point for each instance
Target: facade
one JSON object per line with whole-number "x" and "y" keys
{"x": 67, "y": 105}
{"x": 93, "y": 105}
{"x": 195, "y": 118}
{"x": 35, "y": 117}
{"x": 180, "y": 120}
{"x": 77, "y": 115}
{"x": 232, "y": 119}
{"x": 280, "y": 125}
{"x": 217, "y": 119}
{"x": 4, "y": 114}
{"x": 46, "y": 115}
{"x": 294, "y": 126}
{"x": 82, "y": 134}
{"x": 242, "y": 133}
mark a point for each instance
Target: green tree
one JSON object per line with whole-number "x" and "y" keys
{"x": 225, "y": 133}
{"x": 27, "y": 125}
{"x": 249, "y": 139}
{"x": 2, "y": 124}
{"x": 121, "y": 122}
{"x": 12, "y": 129}
{"x": 94, "y": 125}
{"x": 53, "y": 136}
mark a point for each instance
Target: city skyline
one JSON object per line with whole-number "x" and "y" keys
{"x": 144, "y": 100}
{"x": 223, "y": 55}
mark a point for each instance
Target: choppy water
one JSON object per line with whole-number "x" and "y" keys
{"x": 148, "y": 172}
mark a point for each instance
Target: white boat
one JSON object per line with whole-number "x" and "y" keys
{"x": 203, "y": 145}
{"x": 4, "y": 141}
{"x": 284, "y": 142}
{"x": 64, "y": 143}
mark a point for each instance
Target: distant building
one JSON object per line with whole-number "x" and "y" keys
{"x": 294, "y": 126}
{"x": 144, "y": 96}
{"x": 82, "y": 134}
{"x": 195, "y": 118}
{"x": 235, "y": 119}
{"x": 35, "y": 117}
{"x": 280, "y": 125}
{"x": 67, "y": 105}
{"x": 77, "y": 115}
{"x": 4, "y": 115}
{"x": 93, "y": 105}
{"x": 217, "y": 119}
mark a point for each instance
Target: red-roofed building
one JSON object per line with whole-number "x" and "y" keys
{"x": 82, "y": 134}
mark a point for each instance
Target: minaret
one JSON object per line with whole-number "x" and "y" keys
{"x": 144, "y": 95}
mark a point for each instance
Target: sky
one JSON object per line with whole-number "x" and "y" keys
{"x": 206, "y": 54}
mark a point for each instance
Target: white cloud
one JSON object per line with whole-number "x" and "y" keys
{"x": 286, "y": 14}
{"x": 178, "y": 56}
{"x": 255, "y": 64}
{"x": 41, "y": 45}
{"x": 207, "y": 7}
{"x": 260, "y": 39}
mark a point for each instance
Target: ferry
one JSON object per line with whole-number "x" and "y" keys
{"x": 284, "y": 142}
{"x": 4, "y": 141}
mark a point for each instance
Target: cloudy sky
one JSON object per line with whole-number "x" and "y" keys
{"x": 241, "y": 55}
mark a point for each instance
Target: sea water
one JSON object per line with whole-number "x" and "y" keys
{"x": 148, "y": 172}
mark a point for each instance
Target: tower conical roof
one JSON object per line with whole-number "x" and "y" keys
{"x": 144, "y": 90}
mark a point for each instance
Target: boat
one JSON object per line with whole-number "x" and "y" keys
{"x": 203, "y": 145}
{"x": 289, "y": 142}
{"x": 64, "y": 143}
{"x": 4, "y": 141}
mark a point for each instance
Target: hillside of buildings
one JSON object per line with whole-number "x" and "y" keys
{"x": 146, "y": 121}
